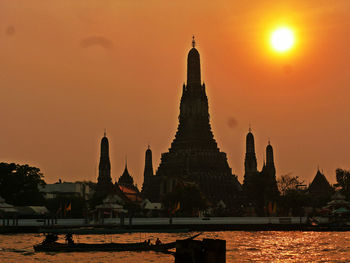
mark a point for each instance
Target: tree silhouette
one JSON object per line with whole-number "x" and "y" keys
{"x": 343, "y": 180}
{"x": 19, "y": 184}
{"x": 287, "y": 182}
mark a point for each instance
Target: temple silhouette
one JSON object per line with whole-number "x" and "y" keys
{"x": 259, "y": 187}
{"x": 194, "y": 155}
{"x": 104, "y": 180}
{"x": 195, "y": 159}
{"x": 194, "y": 169}
{"x": 124, "y": 188}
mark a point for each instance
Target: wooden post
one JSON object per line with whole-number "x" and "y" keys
{"x": 206, "y": 251}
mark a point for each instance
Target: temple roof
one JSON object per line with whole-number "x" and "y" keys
{"x": 126, "y": 178}
{"x": 132, "y": 193}
{"x": 320, "y": 184}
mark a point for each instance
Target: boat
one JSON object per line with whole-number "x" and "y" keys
{"x": 89, "y": 247}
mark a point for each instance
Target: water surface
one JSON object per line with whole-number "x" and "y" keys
{"x": 260, "y": 246}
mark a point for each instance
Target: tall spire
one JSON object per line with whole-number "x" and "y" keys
{"x": 269, "y": 154}
{"x": 250, "y": 162}
{"x": 104, "y": 157}
{"x": 148, "y": 172}
{"x": 193, "y": 66}
{"x": 104, "y": 176}
{"x": 148, "y": 163}
{"x": 250, "y": 146}
{"x": 194, "y": 128}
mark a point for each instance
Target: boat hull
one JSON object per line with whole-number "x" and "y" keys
{"x": 83, "y": 247}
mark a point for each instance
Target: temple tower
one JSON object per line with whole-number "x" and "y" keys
{"x": 193, "y": 66}
{"x": 104, "y": 180}
{"x": 148, "y": 172}
{"x": 270, "y": 164}
{"x": 269, "y": 173}
{"x": 194, "y": 155}
{"x": 250, "y": 181}
{"x": 250, "y": 163}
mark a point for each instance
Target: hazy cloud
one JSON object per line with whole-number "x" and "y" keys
{"x": 96, "y": 41}
{"x": 232, "y": 122}
{"x": 10, "y": 30}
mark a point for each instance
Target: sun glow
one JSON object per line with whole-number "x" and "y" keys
{"x": 282, "y": 39}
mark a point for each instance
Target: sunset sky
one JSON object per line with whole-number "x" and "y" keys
{"x": 70, "y": 69}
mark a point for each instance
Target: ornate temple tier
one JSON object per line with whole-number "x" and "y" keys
{"x": 194, "y": 155}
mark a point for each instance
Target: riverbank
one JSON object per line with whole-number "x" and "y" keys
{"x": 165, "y": 225}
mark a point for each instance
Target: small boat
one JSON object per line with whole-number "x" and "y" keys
{"x": 88, "y": 247}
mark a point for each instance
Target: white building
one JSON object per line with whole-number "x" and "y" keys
{"x": 79, "y": 189}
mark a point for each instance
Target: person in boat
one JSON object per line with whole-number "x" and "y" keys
{"x": 69, "y": 239}
{"x": 147, "y": 242}
{"x": 158, "y": 242}
{"x": 50, "y": 238}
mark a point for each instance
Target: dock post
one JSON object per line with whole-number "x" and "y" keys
{"x": 206, "y": 251}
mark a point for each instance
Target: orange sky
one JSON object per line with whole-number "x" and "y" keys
{"x": 69, "y": 69}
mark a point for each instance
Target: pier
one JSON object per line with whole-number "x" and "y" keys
{"x": 176, "y": 224}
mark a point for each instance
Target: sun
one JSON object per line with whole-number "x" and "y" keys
{"x": 282, "y": 39}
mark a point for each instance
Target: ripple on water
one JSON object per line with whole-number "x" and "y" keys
{"x": 269, "y": 246}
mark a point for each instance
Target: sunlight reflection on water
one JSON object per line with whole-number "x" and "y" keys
{"x": 274, "y": 246}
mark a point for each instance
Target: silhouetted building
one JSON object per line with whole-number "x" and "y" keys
{"x": 104, "y": 181}
{"x": 194, "y": 154}
{"x": 148, "y": 173}
{"x": 250, "y": 182}
{"x": 66, "y": 189}
{"x": 127, "y": 187}
{"x": 320, "y": 185}
{"x": 269, "y": 174}
{"x": 260, "y": 188}
{"x": 250, "y": 163}
{"x": 126, "y": 179}
{"x": 124, "y": 190}
{"x": 148, "y": 163}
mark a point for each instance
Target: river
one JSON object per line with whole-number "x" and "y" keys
{"x": 260, "y": 246}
